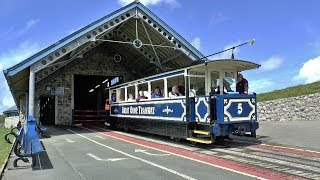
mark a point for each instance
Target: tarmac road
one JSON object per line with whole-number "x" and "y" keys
{"x": 98, "y": 153}
{"x": 83, "y": 154}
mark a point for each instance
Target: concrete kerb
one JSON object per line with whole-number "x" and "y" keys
{"x": 6, "y": 160}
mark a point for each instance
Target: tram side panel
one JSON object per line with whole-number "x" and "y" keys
{"x": 164, "y": 117}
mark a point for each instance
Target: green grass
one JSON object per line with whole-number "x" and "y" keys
{"x": 290, "y": 92}
{"x": 2, "y": 118}
{"x": 4, "y": 146}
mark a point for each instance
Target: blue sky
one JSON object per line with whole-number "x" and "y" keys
{"x": 287, "y": 33}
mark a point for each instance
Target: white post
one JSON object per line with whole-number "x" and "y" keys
{"x": 126, "y": 93}
{"x": 149, "y": 90}
{"x": 165, "y": 91}
{"x": 221, "y": 77}
{"x": 32, "y": 84}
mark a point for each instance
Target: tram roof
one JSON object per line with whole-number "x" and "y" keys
{"x": 219, "y": 64}
{"x": 225, "y": 64}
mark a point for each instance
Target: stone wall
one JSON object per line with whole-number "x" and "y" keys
{"x": 11, "y": 122}
{"x": 306, "y": 107}
{"x": 98, "y": 62}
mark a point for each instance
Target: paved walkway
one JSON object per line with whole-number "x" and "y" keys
{"x": 299, "y": 134}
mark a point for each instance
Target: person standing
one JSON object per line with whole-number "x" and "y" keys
{"x": 242, "y": 85}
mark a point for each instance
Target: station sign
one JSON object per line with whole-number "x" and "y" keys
{"x": 57, "y": 91}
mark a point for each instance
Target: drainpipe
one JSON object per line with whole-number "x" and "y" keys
{"x": 32, "y": 79}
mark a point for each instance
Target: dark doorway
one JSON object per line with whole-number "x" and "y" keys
{"x": 89, "y": 91}
{"x": 47, "y": 110}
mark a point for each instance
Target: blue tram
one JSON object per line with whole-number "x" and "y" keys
{"x": 206, "y": 108}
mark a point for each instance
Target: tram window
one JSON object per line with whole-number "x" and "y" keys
{"x": 157, "y": 89}
{"x": 176, "y": 81}
{"x": 197, "y": 86}
{"x": 113, "y": 96}
{"x": 131, "y": 93}
{"x": 195, "y": 72}
{"x": 229, "y": 82}
{"x": 144, "y": 89}
{"x": 214, "y": 81}
{"x": 120, "y": 96}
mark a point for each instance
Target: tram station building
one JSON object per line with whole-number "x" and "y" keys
{"x": 73, "y": 73}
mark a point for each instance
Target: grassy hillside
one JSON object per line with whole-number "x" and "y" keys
{"x": 290, "y": 92}
{"x": 2, "y": 117}
{"x": 4, "y": 146}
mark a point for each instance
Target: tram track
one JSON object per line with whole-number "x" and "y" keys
{"x": 295, "y": 162}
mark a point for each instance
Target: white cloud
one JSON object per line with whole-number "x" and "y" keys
{"x": 172, "y": 3}
{"x": 23, "y": 51}
{"x": 8, "y": 59}
{"x": 218, "y": 18}
{"x": 29, "y": 24}
{"x": 196, "y": 42}
{"x": 260, "y": 85}
{"x": 309, "y": 72}
{"x": 272, "y": 63}
{"x": 227, "y": 54}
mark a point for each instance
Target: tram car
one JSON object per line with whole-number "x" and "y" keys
{"x": 196, "y": 103}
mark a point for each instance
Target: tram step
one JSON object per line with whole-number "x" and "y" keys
{"x": 201, "y": 132}
{"x": 203, "y": 127}
{"x": 198, "y": 140}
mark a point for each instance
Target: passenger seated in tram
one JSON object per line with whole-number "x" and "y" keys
{"x": 141, "y": 96}
{"x": 157, "y": 93}
{"x": 121, "y": 98}
{"x": 174, "y": 92}
{"x": 113, "y": 98}
{"x": 130, "y": 98}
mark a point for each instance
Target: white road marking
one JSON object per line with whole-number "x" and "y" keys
{"x": 137, "y": 158}
{"x": 69, "y": 141}
{"x": 145, "y": 152}
{"x": 109, "y": 159}
{"x": 100, "y": 137}
{"x": 173, "y": 145}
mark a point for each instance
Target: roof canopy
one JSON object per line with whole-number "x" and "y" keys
{"x": 133, "y": 32}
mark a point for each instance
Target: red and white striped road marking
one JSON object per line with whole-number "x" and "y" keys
{"x": 244, "y": 169}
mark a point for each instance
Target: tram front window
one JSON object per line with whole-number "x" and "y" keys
{"x": 197, "y": 86}
{"x": 214, "y": 81}
{"x": 229, "y": 82}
